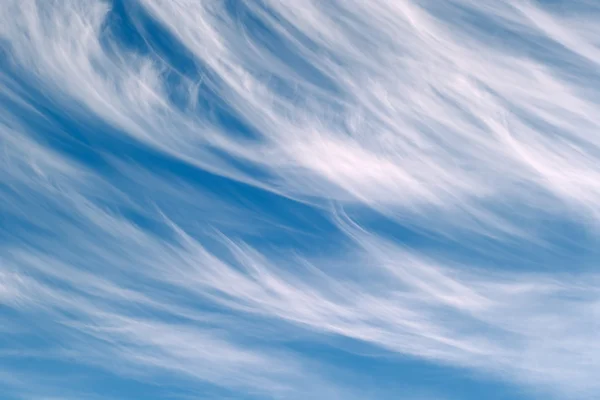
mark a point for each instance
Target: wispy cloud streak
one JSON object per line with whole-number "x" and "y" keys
{"x": 193, "y": 190}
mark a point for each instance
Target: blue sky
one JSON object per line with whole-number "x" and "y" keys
{"x": 388, "y": 199}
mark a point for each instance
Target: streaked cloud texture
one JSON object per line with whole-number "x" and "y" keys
{"x": 266, "y": 199}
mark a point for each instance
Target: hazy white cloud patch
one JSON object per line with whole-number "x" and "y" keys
{"x": 238, "y": 198}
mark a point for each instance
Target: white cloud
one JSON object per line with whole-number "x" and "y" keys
{"x": 411, "y": 108}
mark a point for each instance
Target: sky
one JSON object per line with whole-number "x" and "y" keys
{"x": 316, "y": 199}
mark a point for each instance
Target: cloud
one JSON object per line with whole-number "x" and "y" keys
{"x": 431, "y": 117}
{"x": 469, "y": 124}
{"x": 530, "y": 327}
